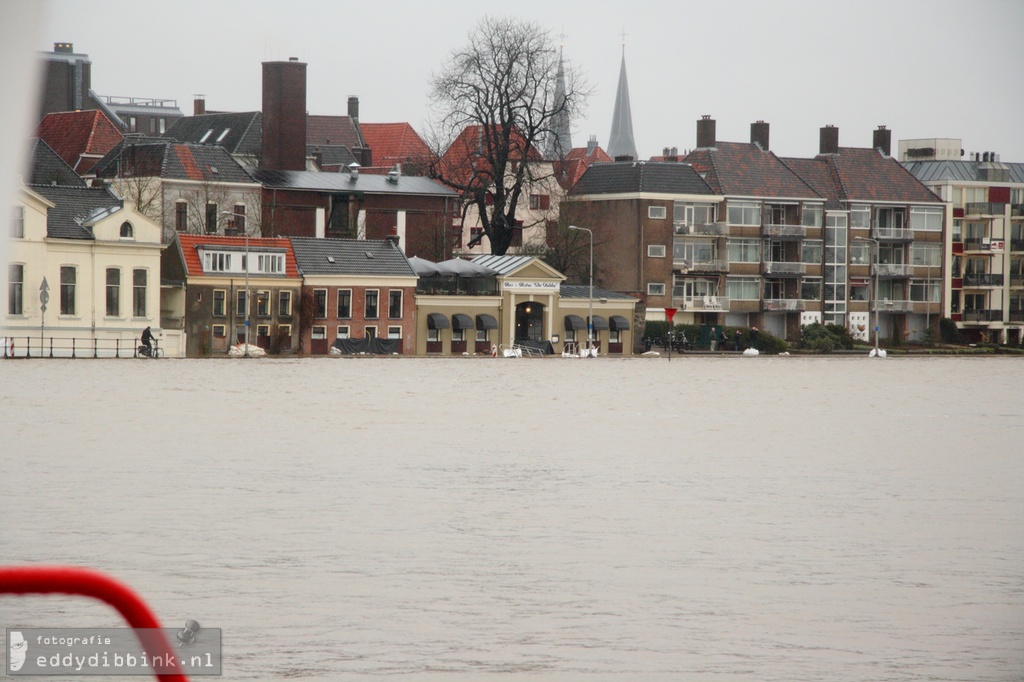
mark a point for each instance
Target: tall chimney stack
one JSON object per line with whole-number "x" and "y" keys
{"x": 284, "y": 115}
{"x": 706, "y": 131}
{"x": 828, "y": 141}
{"x": 353, "y": 107}
{"x": 882, "y": 140}
{"x": 759, "y": 135}
{"x": 199, "y": 105}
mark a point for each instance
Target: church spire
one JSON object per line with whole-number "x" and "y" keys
{"x": 620, "y": 142}
{"x": 560, "y": 138}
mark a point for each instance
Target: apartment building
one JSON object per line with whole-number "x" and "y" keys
{"x": 984, "y": 249}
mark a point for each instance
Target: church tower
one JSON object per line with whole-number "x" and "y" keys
{"x": 560, "y": 138}
{"x": 620, "y": 142}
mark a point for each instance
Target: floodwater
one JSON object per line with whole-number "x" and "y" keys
{"x": 488, "y": 519}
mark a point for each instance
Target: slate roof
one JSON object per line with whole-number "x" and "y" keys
{"x": 816, "y": 173}
{"x": 72, "y": 207}
{"x": 171, "y": 161}
{"x": 964, "y": 171}
{"x": 583, "y": 291}
{"x": 333, "y": 157}
{"x": 627, "y": 177}
{"x": 325, "y": 130}
{"x": 394, "y": 143}
{"x": 238, "y": 133}
{"x": 342, "y": 183}
{"x": 49, "y": 169}
{"x": 745, "y": 170}
{"x": 370, "y": 257}
{"x": 188, "y": 245}
{"x": 73, "y": 134}
{"x": 866, "y": 175}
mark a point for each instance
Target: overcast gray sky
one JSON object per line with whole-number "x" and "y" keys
{"x": 924, "y": 68}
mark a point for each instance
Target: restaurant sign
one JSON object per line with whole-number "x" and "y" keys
{"x": 529, "y": 285}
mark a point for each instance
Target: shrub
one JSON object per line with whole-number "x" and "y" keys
{"x": 825, "y": 338}
{"x": 948, "y": 332}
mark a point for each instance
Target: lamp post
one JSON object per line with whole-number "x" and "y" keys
{"x": 590, "y": 311}
{"x": 248, "y": 304}
{"x": 874, "y": 289}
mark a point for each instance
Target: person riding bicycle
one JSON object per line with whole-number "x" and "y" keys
{"x": 147, "y": 340}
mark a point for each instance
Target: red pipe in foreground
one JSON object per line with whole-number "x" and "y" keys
{"x": 89, "y": 583}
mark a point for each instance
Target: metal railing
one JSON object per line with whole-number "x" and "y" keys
{"x": 977, "y": 244}
{"x": 894, "y": 234}
{"x": 68, "y": 347}
{"x": 784, "y": 268}
{"x": 984, "y": 208}
{"x": 706, "y": 229}
{"x": 891, "y": 269}
{"x": 701, "y": 266}
{"x": 702, "y": 303}
{"x": 1016, "y": 314}
{"x": 982, "y": 315}
{"x": 784, "y": 304}
{"x": 886, "y": 305}
{"x": 972, "y": 279}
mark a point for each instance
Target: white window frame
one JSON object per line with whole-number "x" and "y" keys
{"x": 284, "y": 303}
{"x": 655, "y": 250}
{"x": 926, "y": 218}
{"x": 748, "y": 250}
{"x": 655, "y": 288}
{"x": 220, "y": 330}
{"x": 394, "y": 332}
{"x": 743, "y": 288}
{"x": 748, "y": 213}
{"x": 318, "y": 332}
{"x": 344, "y": 331}
{"x": 223, "y": 303}
{"x": 657, "y": 212}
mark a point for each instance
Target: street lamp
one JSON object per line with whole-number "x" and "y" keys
{"x": 248, "y": 303}
{"x": 590, "y": 312}
{"x": 874, "y": 289}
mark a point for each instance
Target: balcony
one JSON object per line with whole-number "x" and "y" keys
{"x": 1016, "y": 314}
{"x": 982, "y": 280}
{"x": 886, "y": 305}
{"x": 784, "y": 305}
{"x": 784, "y": 231}
{"x": 894, "y": 234}
{"x": 980, "y": 208}
{"x": 702, "y": 229}
{"x": 1017, "y": 280}
{"x": 922, "y": 307}
{"x": 699, "y": 303}
{"x": 983, "y": 315}
{"x": 891, "y": 269}
{"x": 784, "y": 268}
{"x": 690, "y": 266}
{"x": 1017, "y": 245}
{"x": 1017, "y": 210}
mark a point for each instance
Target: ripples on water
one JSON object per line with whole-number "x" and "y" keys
{"x": 708, "y": 518}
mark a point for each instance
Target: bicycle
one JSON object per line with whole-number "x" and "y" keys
{"x": 144, "y": 352}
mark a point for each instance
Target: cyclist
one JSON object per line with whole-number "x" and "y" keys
{"x": 147, "y": 340}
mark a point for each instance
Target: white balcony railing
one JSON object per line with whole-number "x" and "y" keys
{"x": 891, "y": 269}
{"x": 894, "y": 233}
{"x": 687, "y": 265}
{"x": 702, "y": 303}
{"x": 783, "y": 304}
{"x": 784, "y": 230}
{"x": 784, "y": 268}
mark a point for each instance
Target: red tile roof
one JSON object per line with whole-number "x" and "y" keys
{"x": 464, "y": 163}
{"x": 73, "y": 134}
{"x": 744, "y": 169}
{"x": 395, "y": 143}
{"x": 866, "y": 175}
{"x": 188, "y": 244}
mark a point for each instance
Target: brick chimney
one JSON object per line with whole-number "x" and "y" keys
{"x": 882, "y": 140}
{"x": 706, "y": 131}
{"x": 353, "y": 107}
{"x": 759, "y": 135}
{"x": 828, "y": 140}
{"x": 199, "y": 105}
{"x": 284, "y": 115}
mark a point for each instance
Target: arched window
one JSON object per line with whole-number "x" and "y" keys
{"x": 127, "y": 231}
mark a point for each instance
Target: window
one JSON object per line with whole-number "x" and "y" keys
{"x": 540, "y": 202}
{"x": 343, "y": 332}
{"x": 655, "y": 289}
{"x": 693, "y": 251}
{"x": 139, "y": 284}
{"x": 811, "y": 251}
{"x": 481, "y": 336}
{"x": 958, "y": 228}
{"x": 926, "y": 254}
{"x": 241, "y": 303}
{"x": 219, "y": 296}
{"x": 370, "y": 311}
{"x": 743, "y": 250}
{"x": 613, "y": 336}
{"x": 394, "y": 332}
{"x": 127, "y": 231}
{"x": 263, "y": 330}
{"x": 18, "y": 222}
{"x": 926, "y": 218}
{"x": 433, "y": 335}
{"x": 216, "y": 262}
{"x": 284, "y": 303}
{"x": 211, "y": 218}
{"x": 181, "y": 216}
{"x": 320, "y": 303}
{"x": 810, "y": 290}
{"x": 655, "y": 250}
{"x": 925, "y": 290}
{"x": 220, "y": 330}
{"x": 344, "y": 304}
{"x": 395, "y": 304}
{"x": 744, "y": 288}
{"x": 891, "y": 218}
{"x": 458, "y": 334}
{"x": 262, "y": 304}
{"x": 860, "y": 216}
{"x": 284, "y": 331}
{"x": 370, "y": 332}
{"x": 16, "y": 289}
{"x": 68, "y": 276}
{"x": 974, "y": 195}
{"x": 271, "y": 264}
{"x": 113, "y": 292}
{"x": 656, "y": 212}
{"x": 162, "y": 126}
{"x": 133, "y": 124}
{"x": 744, "y": 213}
{"x": 318, "y": 333}
{"x": 811, "y": 215}
{"x": 860, "y": 253}
{"x": 475, "y": 235}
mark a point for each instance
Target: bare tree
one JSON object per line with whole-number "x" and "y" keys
{"x": 495, "y": 105}
{"x": 143, "y": 192}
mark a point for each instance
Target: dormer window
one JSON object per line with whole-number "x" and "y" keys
{"x": 206, "y": 136}
{"x": 220, "y": 138}
{"x": 127, "y": 231}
